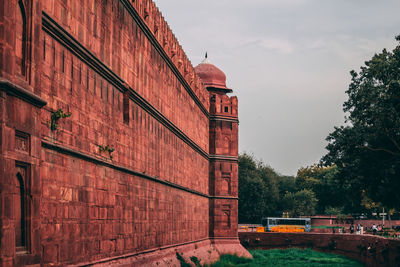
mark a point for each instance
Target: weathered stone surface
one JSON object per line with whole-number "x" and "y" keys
{"x": 145, "y": 164}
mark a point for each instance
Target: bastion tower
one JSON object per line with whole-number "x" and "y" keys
{"x": 223, "y": 151}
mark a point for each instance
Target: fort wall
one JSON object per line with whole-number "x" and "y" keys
{"x": 126, "y": 170}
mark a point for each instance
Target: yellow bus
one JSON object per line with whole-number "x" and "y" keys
{"x": 286, "y": 225}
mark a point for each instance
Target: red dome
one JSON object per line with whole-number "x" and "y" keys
{"x": 211, "y": 76}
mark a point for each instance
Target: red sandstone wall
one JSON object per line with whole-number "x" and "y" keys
{"x": 224, "y": 167}
{"x": 107, "y": 30}
{"x": 124, "y": 90}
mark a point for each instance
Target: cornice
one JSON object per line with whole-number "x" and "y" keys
{"x": 22, "y": 93}
{"x": 223, "y": 118}
{"x": 223, "y": 157}
{"x": 224, "y": 197}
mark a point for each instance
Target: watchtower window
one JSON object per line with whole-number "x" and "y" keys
{"x": 226, "y": 109}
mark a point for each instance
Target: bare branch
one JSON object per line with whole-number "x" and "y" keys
{"x": 392, "y": 139}
{"x": 380, "y": 149}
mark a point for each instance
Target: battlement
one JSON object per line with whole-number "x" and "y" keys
{"x": 155, "y": 21}
{"x": 224, "y": 105}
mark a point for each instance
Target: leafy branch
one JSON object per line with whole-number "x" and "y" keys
{"x": 55, "y": 117}
{"x": 106, "y": 148}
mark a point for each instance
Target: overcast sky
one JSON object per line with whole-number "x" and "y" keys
{"x": 288, "y": 61}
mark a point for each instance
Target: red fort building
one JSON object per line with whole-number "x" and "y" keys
{"x": 114, "y": 149}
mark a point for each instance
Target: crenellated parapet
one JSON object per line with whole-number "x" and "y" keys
{"x": 155, "y": 21}
{"x": 223, "y": 105}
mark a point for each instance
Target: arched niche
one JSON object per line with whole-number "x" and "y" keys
{"x": 227, "y": 146}
{"x": 20, "y": 38}
{"x": 19, "y": 207}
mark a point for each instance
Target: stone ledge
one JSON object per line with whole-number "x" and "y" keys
{"x": 26, "y": 95}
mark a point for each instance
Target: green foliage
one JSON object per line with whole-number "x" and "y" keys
{"x": 196, "y": 261}
{"x": 367, "y": 149}
{"x": 106, "y": 148}
{"x": 315, "y": 190}
{"x": 286, "y": 257}
{"x": 332, "y": 194}
{"x": 227, "y": 260}
{"x": 286, "y": 184}
{"x": 333, "y": 210}
{"x": 258, "y": 190}
{"x": 300, "y": 203}
{"x": 55, "y": 117}
{"x": 182, "y": 260}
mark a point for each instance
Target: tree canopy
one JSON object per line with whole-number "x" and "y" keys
{"x": 258, "y": 192}
{"x": 367, "y": 150}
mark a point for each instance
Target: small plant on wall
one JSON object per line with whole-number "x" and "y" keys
{"x": 108, "y": 149}
{"x": 55, "y": 117}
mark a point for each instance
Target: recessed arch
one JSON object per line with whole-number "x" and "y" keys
{"x": 20, "y": 211}
{"x": 21, "y": 38}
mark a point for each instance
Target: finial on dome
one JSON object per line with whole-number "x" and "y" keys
{"x": 205, "y": 60}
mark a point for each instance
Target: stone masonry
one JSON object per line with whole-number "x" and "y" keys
{"x": 114, "y": 149}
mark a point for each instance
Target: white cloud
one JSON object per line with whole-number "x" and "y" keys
{"x": 274, "y": 3}
{"x": 276, "y": 44}
{"x": 280, "y": 45}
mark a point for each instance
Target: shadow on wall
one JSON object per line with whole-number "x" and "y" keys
{"x": 368, "y": 249}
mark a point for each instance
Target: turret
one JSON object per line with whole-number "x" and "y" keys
{"x": 223, "y": 187}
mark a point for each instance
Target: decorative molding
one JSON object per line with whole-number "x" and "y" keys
{"x": 223, "y": 157}
{"x": 23, "y": 94}
{"x": 52, "y": 28}
{"x": 223, "y": 118}
{"x": 224, "y": 197}
{"x": 69, "y": 151}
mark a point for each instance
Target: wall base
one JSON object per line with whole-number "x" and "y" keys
{"x": 206, "y": 251}
{"x": 230, "y": 246}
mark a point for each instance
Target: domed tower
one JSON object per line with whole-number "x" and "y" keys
{"x": 223, "y": 182}
{"x": 212, "y": 77}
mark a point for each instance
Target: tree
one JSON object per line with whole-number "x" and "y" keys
{"x": 367, "y": 149}
{"x": 258, "y": 190}
{"x": 302, "y": 202}
{"x": 325, "y": 182}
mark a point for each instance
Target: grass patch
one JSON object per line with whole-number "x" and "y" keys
{"x": 285, "y": 258}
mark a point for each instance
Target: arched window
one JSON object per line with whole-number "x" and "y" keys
{"x": 19, "y": 215}
{"x": 20, "y": 40}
